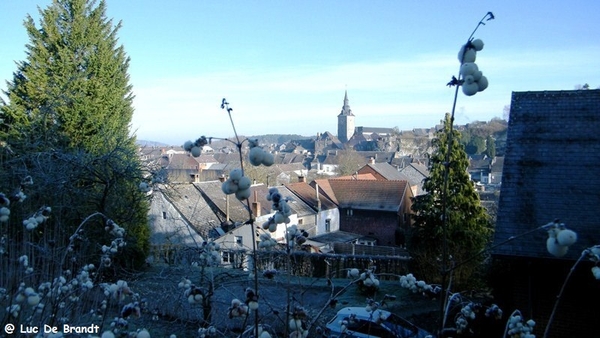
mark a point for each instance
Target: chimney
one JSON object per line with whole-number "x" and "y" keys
{"x": 318, "y": 199}
{"x": 372, "y": 160}
{"x": 256, "y": 205}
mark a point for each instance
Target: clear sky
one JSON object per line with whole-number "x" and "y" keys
{"x": 284, "y": 65}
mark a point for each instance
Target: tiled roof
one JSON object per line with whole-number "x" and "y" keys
{"x": 536, "y": 187}
{"x": 369, "y": 195}
{"x": 324, "y": 188}
{"x": 307, "y": 193}
{"x": 367, "y": 176}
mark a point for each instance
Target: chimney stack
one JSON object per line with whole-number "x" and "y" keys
{"x": 256, "y": 205}
{"x": 318, "y": 199}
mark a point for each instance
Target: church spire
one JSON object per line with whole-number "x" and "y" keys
{"x": 345, "y": 121}
{"x": 346, "y": 107}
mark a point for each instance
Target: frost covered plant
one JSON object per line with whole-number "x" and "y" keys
{"x": 559, "y": 239}
{"x": 195, "y": 148}
{"x": 194, "y": 294}
{"x": 4, "y": 214}
{"x": 594, "y": 256}
{"x": 258, "y": 156}
{"x": 418, "y": 286}
{"x": 297, "y": 324}
{"x": 237, "y": 309}
{"x": 282, "y": 210}
{"x": 237, "y": 184}
{"x": 470, "y": 78}
{"x": 295, "y": 236}
{"x": 517, "y": 327}
{"x": 37, "y": 218}
{"x": 114, "y": 229}
{"x": 211, "y": 254}
{"x": 118, "y": 290}
{"x": 266, "y": 241}
{"x": 206, "y": 332}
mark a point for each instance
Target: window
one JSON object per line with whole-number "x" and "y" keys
{"x": 228, "y": 256}
{"x": 239, "y": 240}
{"x": 164, "y": 215}
{"x": 300, "y": 221}
{"x": 328, "y": 225}
{"x": 349, "y": 212}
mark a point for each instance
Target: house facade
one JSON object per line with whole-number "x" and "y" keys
{"x": 378, "y": 210}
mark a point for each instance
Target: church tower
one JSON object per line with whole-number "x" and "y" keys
{"x": 345, "y": 122}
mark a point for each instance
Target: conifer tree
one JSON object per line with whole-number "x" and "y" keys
{"x": 66, "y": 124}
{"x": 490, "y": 146}
{"x": 72, "y": 91}
{"x": 468, "y": 228}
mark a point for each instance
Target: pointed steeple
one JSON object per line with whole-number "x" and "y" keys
{"x": 346, "y": 107}
{"x": 345, "y": 121}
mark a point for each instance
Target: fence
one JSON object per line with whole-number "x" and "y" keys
{"x": 301, "y": 263}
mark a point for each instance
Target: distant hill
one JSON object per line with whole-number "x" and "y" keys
{"x": 144, "y": 143}
{"x": 278, "y": 138}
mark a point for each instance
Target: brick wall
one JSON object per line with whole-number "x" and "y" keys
{"x": 380, "y": 225}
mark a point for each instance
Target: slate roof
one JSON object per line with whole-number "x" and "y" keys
{"x": 297, "y": 204}
{"x": 188, "y": 201}
{"x": 369, "y": 195}
{"x": 182, "y": 161}
{"x": 384, "y": 169}
{"x": 238, "y": 211}
{"x": 536, "y": 187}
{"x": 336, "y": 237}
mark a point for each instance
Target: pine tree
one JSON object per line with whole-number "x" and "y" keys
{"x": 468, "y": 228}
{"x": 72, "y": 91}
{"x": 66, "y": 125}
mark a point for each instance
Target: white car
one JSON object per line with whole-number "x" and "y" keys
{"x": 360, "y": 323}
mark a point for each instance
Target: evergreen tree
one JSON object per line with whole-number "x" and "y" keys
{"x": 72, "y": 91}
{"x": 476, "y": 145}
{"x": 66, "y": 126}
{"x": 468, "y": 228}
{"x": 490, "y": 145}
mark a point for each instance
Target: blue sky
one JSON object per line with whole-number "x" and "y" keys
{"x": 284, "y": 65}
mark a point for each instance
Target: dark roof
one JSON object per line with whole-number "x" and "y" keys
{"x": 296, "y": 203}
{"x": 386, "y": 170}
{"x": 188, "y": 201}
{"x": 336, "y": 237}
{"x": 238, "y": 211}
{"x": 536, "y": 187}
{"x": 415, "y": 173}
{"x": 182, "y": 161}
{"x": 373, "y": 130}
